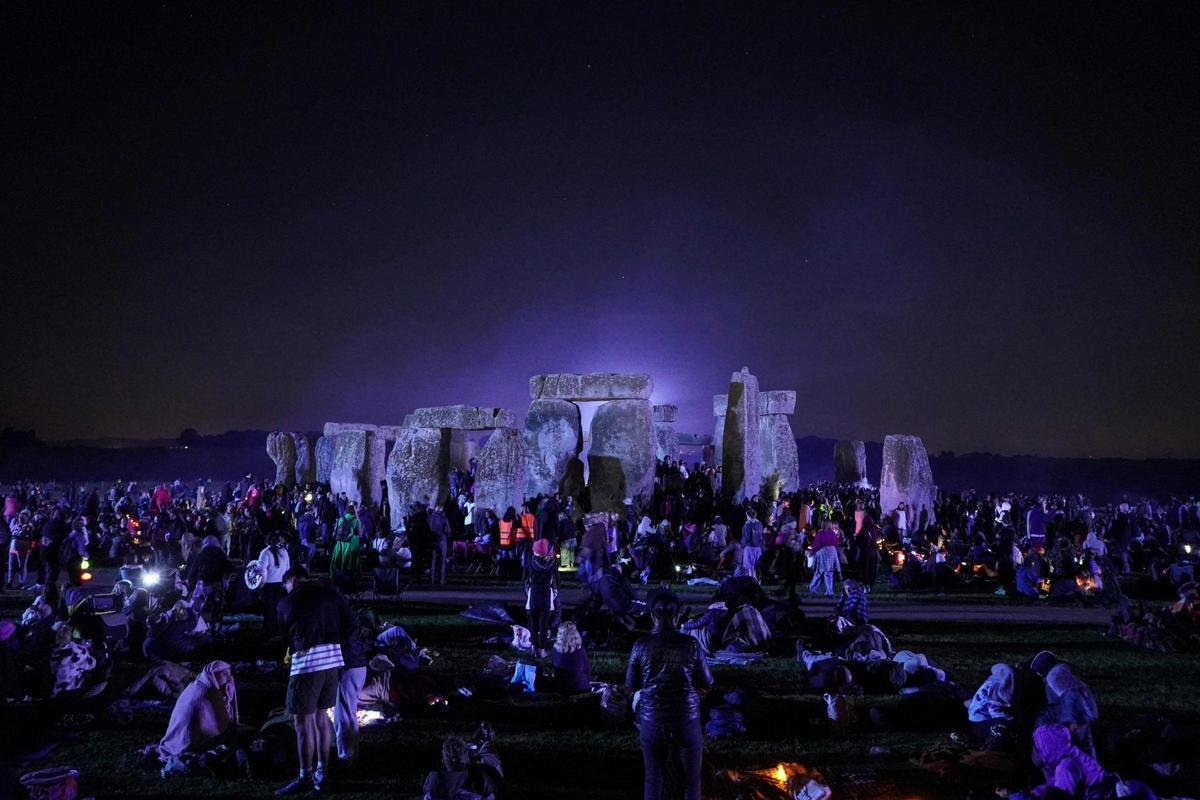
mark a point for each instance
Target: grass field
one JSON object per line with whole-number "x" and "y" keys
{"x": 554, "y": 748}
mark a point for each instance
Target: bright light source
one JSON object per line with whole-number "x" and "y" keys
{"x": 85, "y": 564}
{"x": 150, "y": 578}
{"x": 1187, "y": 548}
{"x": 308, "y": 497}
{"x": 87, "y": 576}
{"x": 678, "y": 568}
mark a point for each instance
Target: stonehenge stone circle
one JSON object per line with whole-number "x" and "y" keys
{"x": 849, "y": 462}
{"x": 500, "y": 478}
{"x": 306, "y": 462}
{"x": 591, "y": 386}
{"x": 906, "y": 476}
{"x": 553, "y": 440}
{"x": 778, "y": 442}
{"x": 741, "y": 456}
{"x": 621, "y": 460}
{"x": 281, "y": 447}
{"x": 666, "y": 439}
{"x": 324, "y": 458}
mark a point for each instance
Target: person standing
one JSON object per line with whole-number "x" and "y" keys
{"x": 315, "y": 619}
{"x": 824, "y": 550}
{"x": 669, "y": 670}
{"x": 439, "y": 540}
{"x": 752, "y": 544}
{"x": 274, "y": 562}
{"x": 541, "y": 593}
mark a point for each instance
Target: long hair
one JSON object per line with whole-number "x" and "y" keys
{"x": 568, "y": 639}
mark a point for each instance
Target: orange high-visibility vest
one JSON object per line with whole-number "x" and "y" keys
{"x": 506, "y": 533}
{"x": 528, "y": 526}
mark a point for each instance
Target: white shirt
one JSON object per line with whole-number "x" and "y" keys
{"x": 272, "y": 568}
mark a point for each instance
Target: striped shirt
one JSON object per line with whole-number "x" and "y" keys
{"x": 316, "y": 658}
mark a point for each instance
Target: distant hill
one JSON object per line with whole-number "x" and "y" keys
{"x": 235, "y": 453}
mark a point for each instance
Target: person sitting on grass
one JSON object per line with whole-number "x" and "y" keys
{"x": 853, "y": 605}
{"x": 990, "y": 710}
{"x": 1068, "y": 771}
{"x": 572, "y": 670}
{"x": 447, "y": 783}
{"x": 206, "y": 710}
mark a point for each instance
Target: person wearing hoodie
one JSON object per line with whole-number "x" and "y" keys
{"x": 541, "y": 593}
{"x": 1070, "y": 703}
{"x": 1068, "y": 771}
{"x": 990, "y": 710}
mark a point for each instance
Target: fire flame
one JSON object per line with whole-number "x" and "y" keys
{"x": 781, "y": 774}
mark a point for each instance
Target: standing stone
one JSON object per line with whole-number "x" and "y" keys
{"x": 500, "y": 479}
{"x": 348, "y": 473}
{"x": 416, "y": 470}
{"x": 553, "y": 440}
{"x": 906, "y": 476}
{"x": 324, "y": 458}
{"x": 778, "y": 442}
{"x": 720, "y": 405}
{"x": 666, "y": 439}
{"x": 621, "y": 460}
{"x": 849, "y": 462}
{"x": 281, "y": 447}
{"x": 306, "y": 462}
{"x": 741, "y": 456}
{"x": 779, "y": 454}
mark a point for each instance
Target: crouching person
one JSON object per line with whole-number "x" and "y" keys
{"x": 314, "y": 619}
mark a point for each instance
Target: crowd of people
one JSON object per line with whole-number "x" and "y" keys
{"x": 301, "y": 555}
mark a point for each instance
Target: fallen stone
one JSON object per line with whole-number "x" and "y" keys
{"x": 666, "y": 413}
{"x": 553, "y": 440}
{"x": 621, "y": 460}
{"x": 777, "y": 402}
{"x": 281, "y": 447}
{"x": 849, "y": 462}
{"x": 416, "y": 470}
{"x": 324, "y": 457}
{"x": 500, "y": 478}
{"x": 779, "y": 455}
{"x": 741, "y": 455}
{"x": 466, "y": 418}
{"x": 306, "y": 462}
{"x": 591, "y": 386}
{"x": 906, "y": 476}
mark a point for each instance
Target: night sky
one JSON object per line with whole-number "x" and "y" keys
{"x": 975, "y": 222}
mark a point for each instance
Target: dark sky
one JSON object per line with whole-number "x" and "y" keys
{"x": 975, "y": 222}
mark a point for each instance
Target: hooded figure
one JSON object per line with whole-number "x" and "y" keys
{"x": 1070, "y": 702}
{"x": 993, "y": 699}
{"x": 1064, "y": 766}
{"x": 206, "y": 709}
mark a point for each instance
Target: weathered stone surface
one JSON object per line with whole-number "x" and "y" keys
{"x": 777, "y": 402}
{"x": 306, "y": 461}
{"x": 389, "y": 433}
{"x": 720, "y": 405}
{"x": 410, "y": 421}
{"x": 621, "y": 459}
{"x": 849, "y": 462}
{"x": 741, "y": 456}
{"x": 281, "y": 447}
{"x": 416, "y": 469}
{"x": 591, "y": 386}
{"x": 708, "y": 454}
{"x": 466, "y": 418}
{"x": 666, "y": 413}
{"x": 500, "y": 479}
{"x": 906, "y": 476}
{"x": 553, "y": 440}
{"x": 719, "y": 441}
{"x": 463, "y": 447}
{"x": 349, "y": 472}
{"x": 666, "y": 441}
{"x": 324, "y": 456}
{"x": 334, "y": 428}
{"x": 779, "y": 453}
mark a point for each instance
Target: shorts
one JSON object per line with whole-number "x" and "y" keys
{"x": 312, "y": 691}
